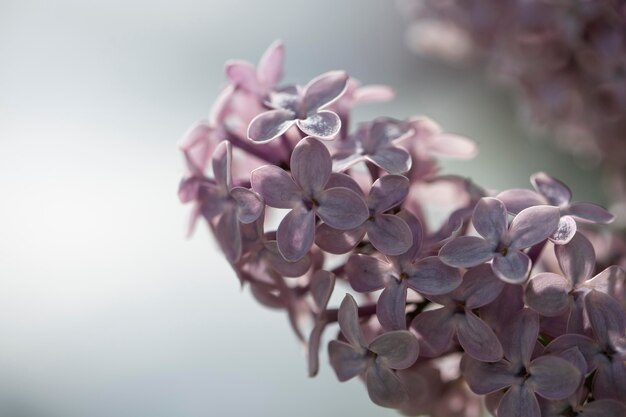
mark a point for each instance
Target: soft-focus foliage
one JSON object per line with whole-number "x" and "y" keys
{"x": 509, "y": 299}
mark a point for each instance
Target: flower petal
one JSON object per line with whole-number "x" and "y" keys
{"x": 466, "y": 251}
{"x": 387, "y": 192}
{"x": 553, "y": 378}
{"x": 324, "y": 124}
{"x": 366, "y": 273}
{"x": 282, "y": 266}
{"x": 512, "y": 268}
{"x": 228, "y": 236}
{"x": 323, "y": 90}
{"x": 434, "y": 329}
{"x": 310, "y": 165}
{"x": 242, "y": 74}
{"x": 590, "y": 213}
{"x": 384, "y": 387}
{"x": 431, "y": 276}
{"x": 373, "y": 93}
{"x": 577, "y": 259}
{"x": 391, "y": 306}
{"x": 346, "y": 360}
{"x": 610, "y": 381}
{"x": 295, "y": 233}
{"x": 603, "y": 408}
{"x": 480, "y": 286}
{"x": 338, "y": 179}
{"x": 270, "y": 125}
{"x": 518, "y": 199}
{"x": 249, "y": 204}
{"x": 533, "y": 225}
{"x": 548, "y": 294}
{"x": 557, "y": 193}
{"x": 490, "y": 219}
{"x": 521, "y": 335}
{"x": 519, "y": 401}
{"x": 338, "y": 241}
{"x": 486, "y": 377}
{"x": 222, "y": 157}
{"x": 322, "y": 285}
{"x": 313, "y": 351}
{"x": 448, "y": 145}
{"x": 477, "y": 338}
{"x": 389, "y": 234}
{"x": 607, "y": 317}
{"x": 270, "y": 69}
{"x": 342, "y": 208}
{"x": 275, "y": 186}
{"x": 392, "y": 159}
{"x": 396, "y": 349}
{"x": 348, "y": 319}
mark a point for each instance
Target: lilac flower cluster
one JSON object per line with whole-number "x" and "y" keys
{"x": 565, "y": 60}
{"x": 505, "y": 300}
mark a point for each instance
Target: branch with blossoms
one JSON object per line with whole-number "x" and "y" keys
{"x": 502, "y": 304}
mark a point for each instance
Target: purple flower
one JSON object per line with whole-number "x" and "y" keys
{"x": 262, "y": 80}
{"x": 548, "y": 376}
{"x": 374, "y": 142}
{"x": 303, "y": 107}
{"x": 555, "y": 193}
{"x": 436, "y": 328}
{"x": 305, "y": 192}
{"x": 394, "y": 276}
{"x": 322, "y": 285}
{"x": 388, "y": 233}
{"x": 376, "y": 361}
{"x": 504, "y": 245}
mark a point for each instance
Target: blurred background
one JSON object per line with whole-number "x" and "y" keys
{"x": 105, "y": 308}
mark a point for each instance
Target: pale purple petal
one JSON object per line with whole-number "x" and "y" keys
{"x": 486, "y": 377}
{"x": 448, "y": 145}
{"x": 323, "y": 125}
{"x": 480, "y": 286}
{"x": 349, "y": 322}
{"x": 519, "y": 401}
{"x": 384, "y": 387}
{"x": 270, "y": 125}
{"x": 610, "y": 381}
{"x": 574, "y": 356}
{"x": 587, "y": 346}
{"x": 270, "y": 69}
{"x": 553, "y": 378}
{"x": 212, "y": 200}
{"x": 603, "y": 408}
{"x": 346, "y": 360}
{"x": 518, "y": 199}
{"x": 228, "y": 236}
{"x": 466, "y": 251}
{"x": 242, "y": 74}
{"x": 283, "y": 267}
{"x": 512, "y": 268}
{"x": 606, "y": 315}
{"x": 577, "y": 259}
{"x": 557, "y": 193}
{"x": 435, "y": 329}
{"x": 311, "y": 165}
{"x": 295, "y": 233}
{"x": 338, "y": 241}
{"x": 548, "y": 294}
{"x": 387, "y": 192}
{"x": 222, "y": 157}
{"x": 323, "y": 90}
{"x": 608, "y": 281}
{"x": 396, "y": 349}
{"x": 343, "y": 162}
{"x": 342, "y": 208}
{"x": 392, "y": 159}
{"x": 367, "y": 273}
{"x": 389, "y": 234}
{"x": 590, "y": 213}
{"x": 249, "y": 204}
{"x": 431, "y": 276}
{"x": 313, "y": 352}
{"x": 521, "y": 335}
{"x": 417, "y": 231}
{"x": 373, "y": 94}
{"x": 322, "y": 285}
{"x": 565, "y": 231}
{"x": 285, "y": 98}
{"x": 490, "y": 219}
{"x": 338, "y": 179}
{"x": 275, "y": 186}
{"x": 533, "y": 225}
{"x": 477, "y": 338}
{"x": 390, "y": 308}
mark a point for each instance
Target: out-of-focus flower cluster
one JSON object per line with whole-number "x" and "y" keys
{"x": 565, "y": 59}
{"x": 450, "y": 295}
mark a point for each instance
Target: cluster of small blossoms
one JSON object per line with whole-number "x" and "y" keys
{"x": 453, "y": 298}
{"x": 565, "y": 59}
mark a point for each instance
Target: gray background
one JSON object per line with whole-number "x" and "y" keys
{"x": 105, "y": 308}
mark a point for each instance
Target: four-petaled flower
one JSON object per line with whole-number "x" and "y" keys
{"x": 305, "y": 192}
{"x": 303, "y": 107}
{"x": 376, "y": 361}
{"x": 504, "y": 245}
